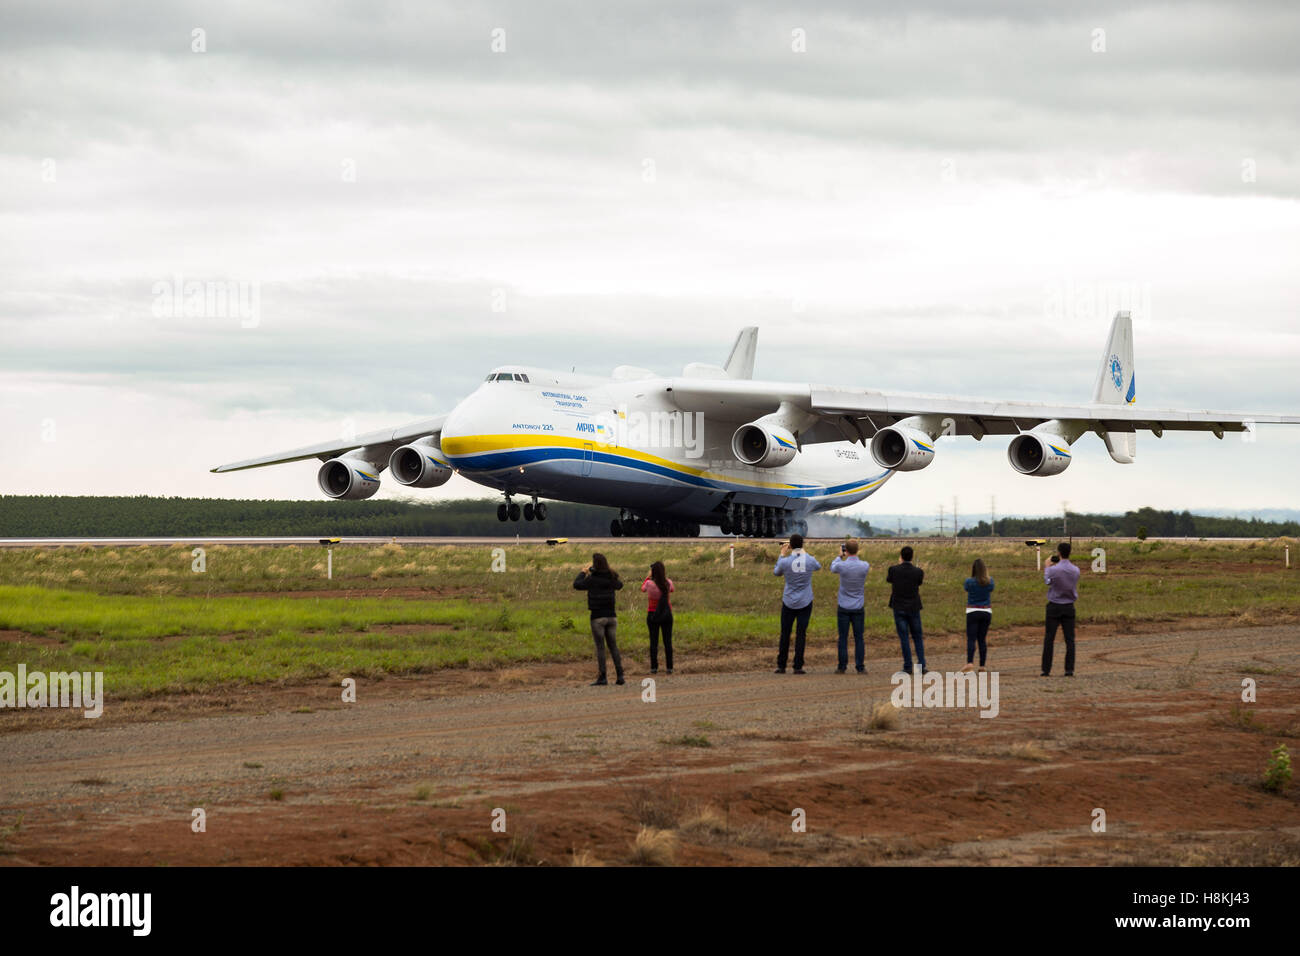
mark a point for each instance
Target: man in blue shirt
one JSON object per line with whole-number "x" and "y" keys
{"x": 1062, "y": 577}
{"x": 797, "y": 567}
{"x": 853, "y": 578}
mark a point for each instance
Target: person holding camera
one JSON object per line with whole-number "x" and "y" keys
{"x": 905, "y": 581}
{"x": 851, "y": 611}
{"x": 797, "y": 567}
{"x": 659, "y": 614}
{"x": 600, "y": 581}
{"x": 1062, "y": 578}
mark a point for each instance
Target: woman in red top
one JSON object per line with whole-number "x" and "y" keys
{"x": 656, "y": 587}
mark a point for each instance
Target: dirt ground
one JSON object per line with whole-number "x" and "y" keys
{"x": 1152, "y": 731}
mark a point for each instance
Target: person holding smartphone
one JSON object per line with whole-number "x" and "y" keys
{"x": 850, "y": 612}
{"x": 797, "y": 566}
{"x": 600, "y": 581}
{"x": 659, "y": 614}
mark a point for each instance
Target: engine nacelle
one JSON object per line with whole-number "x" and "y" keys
{"x": 1033, "y": 453}
{"x": 349, "y": 478}
{"x": 902, "y": 449}
{"x": 419, "y": 465}
{"x": 764, "y": 444}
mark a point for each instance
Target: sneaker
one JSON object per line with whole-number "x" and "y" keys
{"x": 670, "y": 670}
{"x": 1069, "y": 673}
{"x": 1044, "y": 674}
{"x": 798, "y": 670}
{"x": 779, "y": 670}
{"x": 862, "y": 670}
{"x": 620, "y": 681}
{"x": 655, "y": 670}
{"x": 924, "y": 671}
{"x": 839, "y": 670}
{"x": 600, "y": 682}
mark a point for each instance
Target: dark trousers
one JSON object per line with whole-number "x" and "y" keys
{"x": 977, "y": 630}
{"x": 603, "y": 632}
{"x": 844, "y": 620}
{"x": 906, "y": 622}
{"x": 798, "y": 619}
{"x": 666, "y": 624}
{"x": 1061, "y": 615}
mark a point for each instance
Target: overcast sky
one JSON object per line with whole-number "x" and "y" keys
{"x": 930, "y": 197}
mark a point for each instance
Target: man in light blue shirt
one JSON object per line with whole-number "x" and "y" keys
{"x": 853, "y": 579}
{"x": 797, "y": 567}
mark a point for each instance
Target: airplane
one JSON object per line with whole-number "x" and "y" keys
{"x": 714, "y": 447}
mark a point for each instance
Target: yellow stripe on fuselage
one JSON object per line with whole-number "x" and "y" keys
{"x": 463, "y": 445}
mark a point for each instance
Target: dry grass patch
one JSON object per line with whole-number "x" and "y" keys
{"x": 653, "y": 847}
{"x": 878, "y": 715}
{"x": 1029, "y": 750}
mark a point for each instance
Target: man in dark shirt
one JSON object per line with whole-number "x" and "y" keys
{"x": 905, "y": 598}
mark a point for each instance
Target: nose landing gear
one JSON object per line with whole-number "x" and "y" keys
{"x": 511, "y": 511}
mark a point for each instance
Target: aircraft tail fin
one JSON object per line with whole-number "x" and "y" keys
{"x": 1117, "y": 384}
{"x": 740, "y": 363}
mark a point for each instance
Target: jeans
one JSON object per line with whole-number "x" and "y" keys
{"x": 798, "y": 618}
{"x": 603, "y": 631}
{"x": 1061, "y": 615}
{"x": 906, "y": 621}
{"x": 844, "y": 619}
{"x": 977, "y": 629}
{"x": 667, "y": 625}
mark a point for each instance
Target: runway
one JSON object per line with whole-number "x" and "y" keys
{"x": 531, "y": 539}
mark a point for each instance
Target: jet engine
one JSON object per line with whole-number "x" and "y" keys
{"x": 764, "y": 444}
{"x": 349, "y": 478}
{"x": 902, "y": 448}
{"x": 1032, "y": 453}
{"x": 419, "y": 465}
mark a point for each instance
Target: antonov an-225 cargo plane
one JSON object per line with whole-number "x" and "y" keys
{"x": 714, "y": 447}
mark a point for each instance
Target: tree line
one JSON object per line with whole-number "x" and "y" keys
{"x": 1141, "y": 523}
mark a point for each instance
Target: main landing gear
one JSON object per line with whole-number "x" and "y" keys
{"x": 629, "y": 525}
{"x": 510, "y": 511}
{"x": 759, "y": 521}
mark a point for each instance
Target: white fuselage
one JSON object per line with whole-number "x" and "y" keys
{"x": 623, "y": 443}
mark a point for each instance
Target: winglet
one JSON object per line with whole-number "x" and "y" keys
{"x": 740, "y": 363}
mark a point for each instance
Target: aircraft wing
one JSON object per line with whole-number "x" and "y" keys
{"x": 379, "y": 445}
{"x": 856, "y": 414}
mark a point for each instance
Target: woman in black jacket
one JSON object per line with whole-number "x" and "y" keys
{"x": 600, "y": 582}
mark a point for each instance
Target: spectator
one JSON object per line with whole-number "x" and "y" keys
{"x": 1062, "y": 579}
{"x": 905, "y": 581}
{"x": 600, "y": 582}
{"x": 851, "y": 608}
{"x": 659, "y": 614}
{"x": 797, "y": 567}
{"x": 979, "y": 613}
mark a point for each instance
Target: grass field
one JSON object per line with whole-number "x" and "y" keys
{"x": 153, "y": 624}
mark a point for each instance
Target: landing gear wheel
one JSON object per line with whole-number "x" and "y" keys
{"x": 503, "y": 513}
{"x": 725, "y": 526}
{"x": 540, "y": 511}
{"x": 616, "y": 528}
{"x": 514, "y": 511}
{"x": 528, "y": 512}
